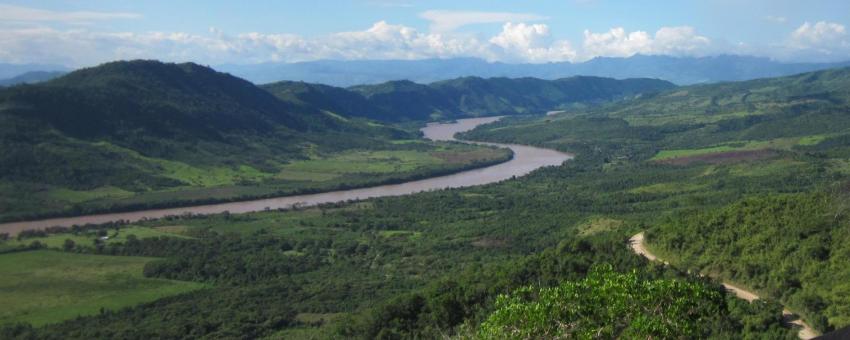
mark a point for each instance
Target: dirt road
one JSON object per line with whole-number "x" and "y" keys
{"x": 806, "y": 332}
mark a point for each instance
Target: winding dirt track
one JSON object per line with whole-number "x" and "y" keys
{"x": 806, "y": 331}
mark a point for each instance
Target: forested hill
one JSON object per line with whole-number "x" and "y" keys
{"x": 141, "y": 126}
{"x": 167, "y": 100}
{"x": 463, "y": 97}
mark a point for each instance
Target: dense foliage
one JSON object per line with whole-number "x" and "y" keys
{"x": 605, "y": 305}
{"x": 793, "y": 247}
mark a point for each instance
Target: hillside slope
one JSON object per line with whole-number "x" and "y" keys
{"x": 149, "y": 133}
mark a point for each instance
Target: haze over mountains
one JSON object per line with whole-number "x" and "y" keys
{"x": 679, "y": 70}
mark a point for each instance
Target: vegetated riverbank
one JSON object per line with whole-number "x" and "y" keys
{"x": 215, "y": 195}
{"x": 524, "y": 160}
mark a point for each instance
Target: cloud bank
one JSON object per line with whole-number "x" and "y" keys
{"x": 11, "y": 13}
{"x": 518, "y": 41}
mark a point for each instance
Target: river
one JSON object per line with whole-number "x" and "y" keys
{"x": 525, "y": 160}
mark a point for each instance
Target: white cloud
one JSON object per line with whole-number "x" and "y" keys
{"x": 821, "y": 34}
{"x": 822, "y": 41}
{"x": 81, "y": 47}
{"x": 11, "y": 13}
{"x": 531, "y": 43}
{"x": 679, "y": 41}
{"x": 516, "y": 42}
{"x": 446, "y": 21}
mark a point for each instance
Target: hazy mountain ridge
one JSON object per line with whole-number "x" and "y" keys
{"x": 8, "y": 70}
{"x": 31, "y": 77}
{"x": 463, "y": 97}
{"x": 679, "y": 70}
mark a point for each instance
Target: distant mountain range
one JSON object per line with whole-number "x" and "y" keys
{"x": 679, "y": 70}
{"x": 462, "y": 97}
{"x": 31, "y": 77}
{"x": 8, "y": 71}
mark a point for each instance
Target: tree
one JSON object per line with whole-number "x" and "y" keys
{"x": 605, "y": 304}
{"x": 68, "y": 245}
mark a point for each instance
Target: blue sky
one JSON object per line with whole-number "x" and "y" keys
{"x": 81, "y": 33}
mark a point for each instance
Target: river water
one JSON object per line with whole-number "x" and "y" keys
{"x": 525, "y": 160}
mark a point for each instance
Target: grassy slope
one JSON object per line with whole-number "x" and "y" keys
{"x": 43, "y": 287}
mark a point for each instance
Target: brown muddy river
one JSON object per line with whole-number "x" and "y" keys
{"x": 525, "y": 160}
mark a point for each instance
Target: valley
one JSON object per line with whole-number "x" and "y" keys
{"x": 726, "y": 181}
{"x": 523, "y": 159}
{"x": 411, "y": 170}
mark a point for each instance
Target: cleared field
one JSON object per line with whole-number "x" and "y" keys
{"x": 42, "y": 287}
{"x": 741, "y": 148}
{"x": 357, "y": 162}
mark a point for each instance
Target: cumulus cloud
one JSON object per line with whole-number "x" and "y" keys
{"x": 11, "y": 13}
{"x": 681, "y": 40}
{"x": 532, "y": 43}
{"x": 446, "y": 21}
{"x": 515, "y": 42}
{"x": 820, "y": 41}
{"x": 382, "y": 40}
{"x": 819, "y": 35}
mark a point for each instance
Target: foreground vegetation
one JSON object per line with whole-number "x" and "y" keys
{"x": 435, "y": 264}
{"x": 790, "y": 246}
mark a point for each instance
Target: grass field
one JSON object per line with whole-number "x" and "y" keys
{"x": 47, "y": 286}
{"x": 775, "y": 144}
{"x": 326, "y": 168}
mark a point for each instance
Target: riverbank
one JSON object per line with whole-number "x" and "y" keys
{"x": 525, "y": 159}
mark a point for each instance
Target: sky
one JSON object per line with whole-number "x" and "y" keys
{"x": 77, "y": 33}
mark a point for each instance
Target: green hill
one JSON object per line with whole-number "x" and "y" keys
{"x": 135, "y": 134}
{"x": 463, "y": 97}
{"x": 748, "y": 180}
